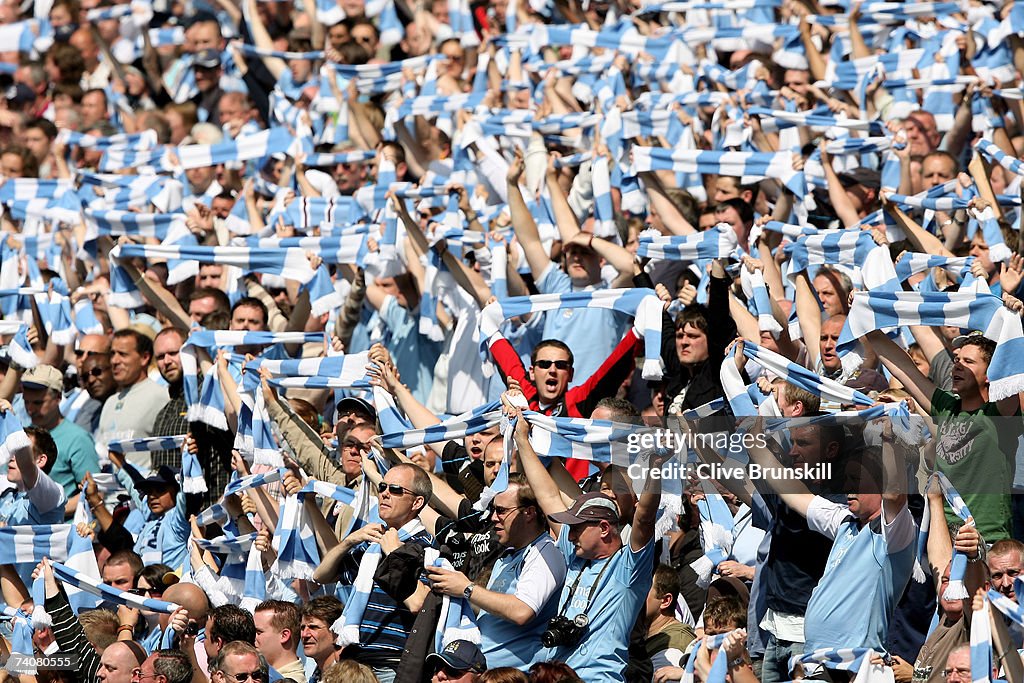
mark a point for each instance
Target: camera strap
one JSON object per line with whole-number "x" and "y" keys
{"x": 593, "y": 587}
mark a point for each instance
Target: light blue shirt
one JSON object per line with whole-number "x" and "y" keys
{"x": 164, "y": 538}
{"x": 590, "y": 333}
{"x": 534, "y": 574}
{"x": 415, "y": 356}
{"x": 867, "y": 571}
{"x": 602, "y": 654}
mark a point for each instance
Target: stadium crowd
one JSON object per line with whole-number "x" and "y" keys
{"x": 331, "y": 329}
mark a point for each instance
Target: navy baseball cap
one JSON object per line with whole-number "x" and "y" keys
{"x": 460, "y": 655}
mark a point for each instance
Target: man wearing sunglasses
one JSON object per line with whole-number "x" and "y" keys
{"x": 238, "y": 662}
{"x": 521, "y": 595}
{"x": 386, "y": 622}
{"x": 459, "y": 662}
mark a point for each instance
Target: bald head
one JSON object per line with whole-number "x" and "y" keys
{"x": 117, "y": 662}
{"x": 191, "y": 597}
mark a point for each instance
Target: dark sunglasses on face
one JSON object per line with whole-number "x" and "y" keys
{"x": 243, "y": 677}
{"x": 559, "y": 364}
{"x": 95, "y": 372}
{"x": 393, "y": 489}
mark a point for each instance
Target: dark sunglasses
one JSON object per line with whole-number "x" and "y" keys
{"x": 243, "y": 677}
{"x": 559, "y": 364}
{"x": 82, "y": 352}
{"x": 95, "y": 372}
{"x": 393, "y": 489}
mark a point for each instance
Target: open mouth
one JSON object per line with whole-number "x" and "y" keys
{"x": 551, "y": 384}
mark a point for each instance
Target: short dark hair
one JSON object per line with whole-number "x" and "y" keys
{"x": 744, "y": 209}
{"x": 48, "y": 128}
{"x": 44, "y": 443}
{"x": 546, "y": 343}
{"x": 326, "y": 608}
{"x": 725, "y": 613}
{"x": 128, "y": 557}
{"x": 987, "y": 346}
{"x": 173, "y": 665}
{"x": 143, "y": 344}
{"x": 153, "y": 574}
{"x": 251, "y": 302}
{"x": 221, "y": 299}
{"x": 229, "y": 623}
{"x": 666, "y": 582}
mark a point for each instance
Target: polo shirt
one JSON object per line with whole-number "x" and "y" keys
{"x": 534, "y": 574}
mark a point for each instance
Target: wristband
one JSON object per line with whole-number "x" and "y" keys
{"x": 125, "y": 627}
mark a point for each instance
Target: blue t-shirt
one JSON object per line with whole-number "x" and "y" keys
{"x": 590, "y": 333}
{"x": 76, "y": 455}
{"x": 602, "y": 654}
{"x": 867, "y": 570}
{"x": 415, "y": 356}
{"x": 534, "y": 574}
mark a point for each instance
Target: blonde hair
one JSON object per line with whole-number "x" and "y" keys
{"x": 348, "y": 671}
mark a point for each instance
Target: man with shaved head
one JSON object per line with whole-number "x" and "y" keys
{"x": 81, "y": 407}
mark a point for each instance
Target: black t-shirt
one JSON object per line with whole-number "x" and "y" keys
{"x": 470, "y": 542}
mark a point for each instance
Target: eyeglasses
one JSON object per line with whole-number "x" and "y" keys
{"x": 137, "y": 674}
{"x": 95, "y": 372}
{"x": 559, "y": 364}
{"x": 243, "y": 677}
{"x": 961, "y": 673}
{"x": 503, "y": 512}
{"x": 450, "y": 672}
{"x": 394, "y": 489}
{"x": 84, "y": 352}
{"x": 355, "y": 445}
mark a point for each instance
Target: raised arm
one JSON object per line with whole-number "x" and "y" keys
{"x": 902, "y": 367}
{"x": 544, "y": 487}
{"x": 522, "y": 221}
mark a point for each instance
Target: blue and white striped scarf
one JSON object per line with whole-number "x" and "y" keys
{"x": 841, "y": 247}
{"x": 718, "y": 242}
{"x": 347, "y": 627}
{"x": 12, "y": 436}
{"x": 958, "y": 564}
{"x": 82, "y": 559}
{"x": 31, "y": 543}
{"x": 883, "y": 310}
{"x": 981, "y": 644}
{"x": 456, "y": 619}
{"x": 641, "y": 303}
{"x": 457, "y": 427}
{"x": 203, "y": 409}
{"x": 828, "y": 390}
{"x": 290, "y": 264}
{"x": 716, "y": 533}
{"x": 81, "y": 581}
{"x": 255, "y": 590}
{"x": 115, "y": 222}
{"x": 747, "y": 165}
{"x": 756, "y": 291}
{"x": 244, "y": 148}
{"x": 334, "y": 372}
{"x": 19, "y": 348}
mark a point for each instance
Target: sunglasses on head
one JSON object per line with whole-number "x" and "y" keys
{"x": 393, "y": 489}
{"x": 545, "y": 364}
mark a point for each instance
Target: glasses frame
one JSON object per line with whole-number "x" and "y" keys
{"x": 391, "y": 489}
{"x": 559, "y": 364}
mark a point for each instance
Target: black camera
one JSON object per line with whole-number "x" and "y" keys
{"x": 563, "y": 631}
{"x": 192, "y": 629}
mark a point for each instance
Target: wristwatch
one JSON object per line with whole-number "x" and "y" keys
{"x": 469, "y": 591}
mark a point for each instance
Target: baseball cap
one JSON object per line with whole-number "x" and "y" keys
{"x": 158, "y": 480}
{"x": 963, "y": 338}
{"x": 207, "y": 59}
{"x": 861, "y": 176}
{"x": 44, "y": 376}
{"x": 356, "y": 403}
{"x": 590, "y": 507}
{"x": 18, "y": 94}
{"x": 460, "y": 655}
